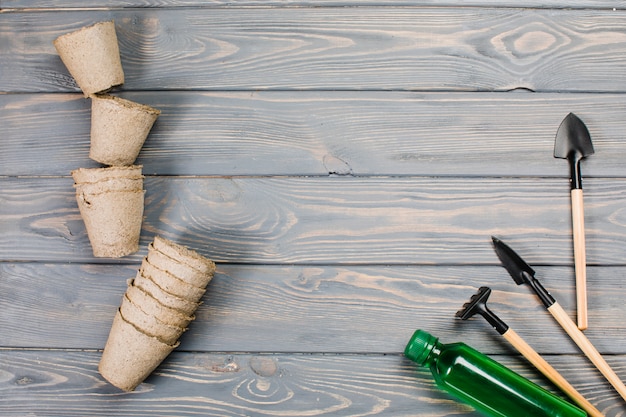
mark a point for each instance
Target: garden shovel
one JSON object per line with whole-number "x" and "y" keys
{"x": 522, "y": 273}
{"x": 573, "y": 143}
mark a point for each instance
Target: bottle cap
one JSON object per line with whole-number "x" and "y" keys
{"x": 420, "y": 346}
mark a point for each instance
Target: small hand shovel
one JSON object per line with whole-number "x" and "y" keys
{"x": 573, "y": 143}
{"x": 522, "y": 273}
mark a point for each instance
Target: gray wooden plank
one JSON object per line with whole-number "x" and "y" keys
{"x": 54, "y": 383}
{"x": 312, "y": 309}
{"x": 320, "y": 133}
{"x": 320, "y": 280}
{"x": 400, "y": 48}
{"x": 10, "y": 5}
{"x": 330, "y": 220}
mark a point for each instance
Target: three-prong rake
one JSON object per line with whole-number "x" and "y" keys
{"x": 478, "y": 305}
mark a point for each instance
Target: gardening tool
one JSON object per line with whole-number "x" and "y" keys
{"x": 478, "y": 305}
{"x": 573, "y": 143}
{"x": 522, "y": 273}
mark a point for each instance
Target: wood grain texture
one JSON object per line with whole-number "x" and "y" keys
{"x": 330, "y": 220}
{"x": 323, "y": 309}
{"x": 55, "y": 383}
{"x": 426, "y": 49}
{"x": 345, "y": 166}
{"x": 10, "y": 5}
{"x": 322, "y": 133}
{"x": 587, "y": 347}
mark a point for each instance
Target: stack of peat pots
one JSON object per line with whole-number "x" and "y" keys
{"x": 160, "y": 302}
{"x": 111, "y": 202}
{"x": 156, "y": 309}
{"x": 110, "y": 199}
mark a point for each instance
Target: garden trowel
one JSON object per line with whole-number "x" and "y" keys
{"x": 573, "y": 143}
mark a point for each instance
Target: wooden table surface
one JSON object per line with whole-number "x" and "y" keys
{"x": 345, "y": 163}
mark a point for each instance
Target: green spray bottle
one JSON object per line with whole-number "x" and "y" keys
{"x": 483, "y": 383}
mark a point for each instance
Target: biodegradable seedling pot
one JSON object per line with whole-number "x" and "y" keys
{"x": 110, "y": 184}
{"x": 113, "y": 221}
{"x": 94, "y": 175}
{"x": 92, "y": 56}
{"x": 153, "y": 307}
{"x": 149, "y": 324}
{"x": 170, "y": 283}
{"x": 184, "y": 255}
{"x": 119, "y": 128}
{"x": 130, "y": 355}
{"x": 186, "y": 307}
{"x": 180, "y": 270}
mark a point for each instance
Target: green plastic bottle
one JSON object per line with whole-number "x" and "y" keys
{"x": 483, "y": 383}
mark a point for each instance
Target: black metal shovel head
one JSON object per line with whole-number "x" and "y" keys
{"x": 512, "y": 262}
{"x": 573, "y": 140}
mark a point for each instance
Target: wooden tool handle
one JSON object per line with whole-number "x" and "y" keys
{"x": 588, "y": 349}
{"x": 549, "y": 372}
{"x": 580, "y": 261}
